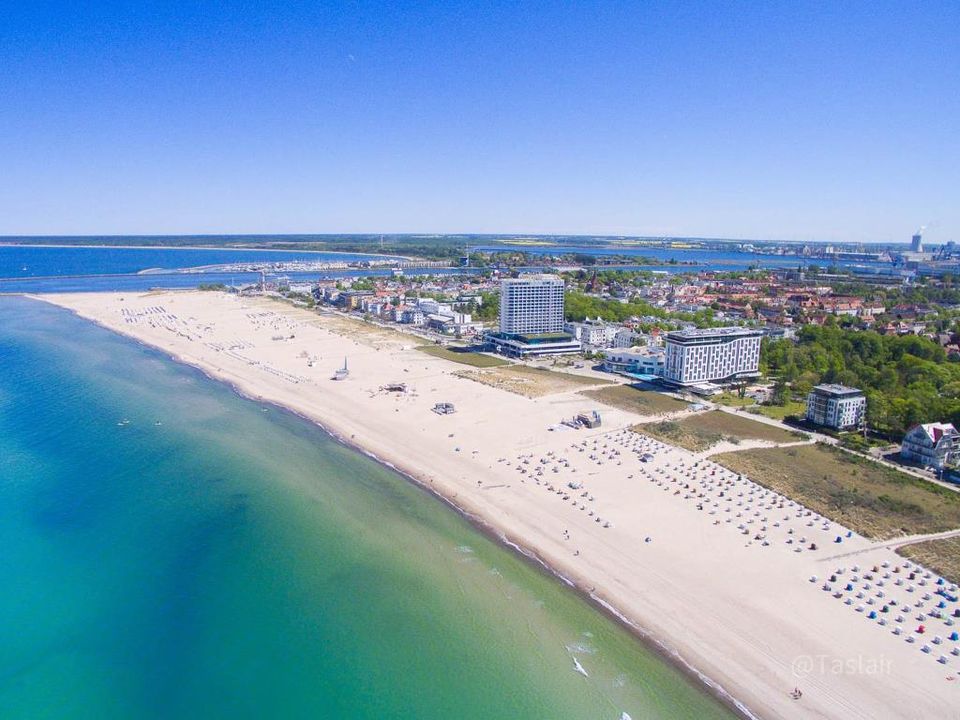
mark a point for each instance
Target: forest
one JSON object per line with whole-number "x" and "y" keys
{"x": 907, "y": 379}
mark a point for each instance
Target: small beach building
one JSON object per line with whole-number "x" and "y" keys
{"x": 635, "y": 361}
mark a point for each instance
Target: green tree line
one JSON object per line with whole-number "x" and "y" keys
{"x": 579, "y": 306}
{"x": 907, "y": 379}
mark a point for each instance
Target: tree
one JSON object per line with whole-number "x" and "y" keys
{"x": 780, "y": 393}
{"x": 804, "y": 383}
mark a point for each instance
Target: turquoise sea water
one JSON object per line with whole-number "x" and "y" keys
{"x": 233, "y": 561}
{"x": 93, "y": 269}
{"x": 20, "y": 261}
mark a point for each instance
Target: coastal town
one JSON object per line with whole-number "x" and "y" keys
{"x": 727, "y": 338}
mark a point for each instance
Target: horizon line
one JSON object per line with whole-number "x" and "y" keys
{"x": 516, "y": 236}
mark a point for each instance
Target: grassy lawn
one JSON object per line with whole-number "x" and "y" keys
{"x": 777, "y": 412}
{"x": 874, "y": 500}
{"x": 732, "y": 400}
{"x": 942, "y": 556}
{"x": 531, "y": 381}
{"x": 633, "y": 399}
{"x": 703, "y": 430}
{"x": 462, "y": 356}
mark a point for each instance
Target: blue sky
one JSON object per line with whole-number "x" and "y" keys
{"x": 819, "y": 121}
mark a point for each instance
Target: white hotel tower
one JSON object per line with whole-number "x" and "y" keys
{"x": 531, "y": 305}
{"x": 712, "y": 355}
{"x": 531, "y": 318}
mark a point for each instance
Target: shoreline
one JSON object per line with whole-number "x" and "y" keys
{"x": 646, "y": 637}
{"x": 747, "y": 637}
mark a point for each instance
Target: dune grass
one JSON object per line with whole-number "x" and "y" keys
{"x": 701, "y": 431}
{"x": 634, "y": 399}
{"x": 462, "y": 356}
{"x": 531, "y": 381}
{"x": 872, "y": 499}
{"x": 941, "y": 556}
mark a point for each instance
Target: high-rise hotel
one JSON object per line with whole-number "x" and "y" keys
{"x": 531, "y": 317}
{"x": 531, "y": 305}
{"x": 712, "y": 355}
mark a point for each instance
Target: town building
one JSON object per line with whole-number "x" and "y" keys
{"x": 453, "y": 323}
{"x": 531, "y": 318}
{"x": 930, "y": 445}
{"x": 836, "y": 406}
{"x": 636, "y": 361}
{"x": 351, "y": 299}
{"x": 410, "y": 316}
{"x": 595, "y": 333}
{"x": 712, "y": 355}
{"x": 531, "y": 305}
{"x": 627, "y": 338}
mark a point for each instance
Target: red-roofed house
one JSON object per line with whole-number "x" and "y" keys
{"x": 930, "y": 445}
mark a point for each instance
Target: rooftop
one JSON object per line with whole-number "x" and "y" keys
{"x": 696, "y": 333}
{"x": 837, "y": 390}
{"x": 935, "y": 431}
{"x": 534, "y": 278}
{"x": 533, "y": 339}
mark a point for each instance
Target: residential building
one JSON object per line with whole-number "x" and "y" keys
{"x": 410, "y": 316}
{"x": 453, "y": 323}
{"x": 429, "y": 306}
{"x": 596, "y": 333}
{"x": 836, "y": 406}
{"x": 351, "y": 299}
{"x": 696, "y": 356}
{"x": 930, "y": 445}
{"x": 627, "y": 338}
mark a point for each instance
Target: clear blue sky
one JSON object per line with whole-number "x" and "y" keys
{"x": 832, "y": 121}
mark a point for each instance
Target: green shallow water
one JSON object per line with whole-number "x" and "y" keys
{"x": 236, "y": 562}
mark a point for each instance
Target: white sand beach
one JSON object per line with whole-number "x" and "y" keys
{"x": 713, "y": 567}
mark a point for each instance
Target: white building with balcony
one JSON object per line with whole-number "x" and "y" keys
{"x": 930, "y": 445}
{"x": 596, "y": 333}
{"x": 697, "y": 356}
{"x": 836, "y": 406}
